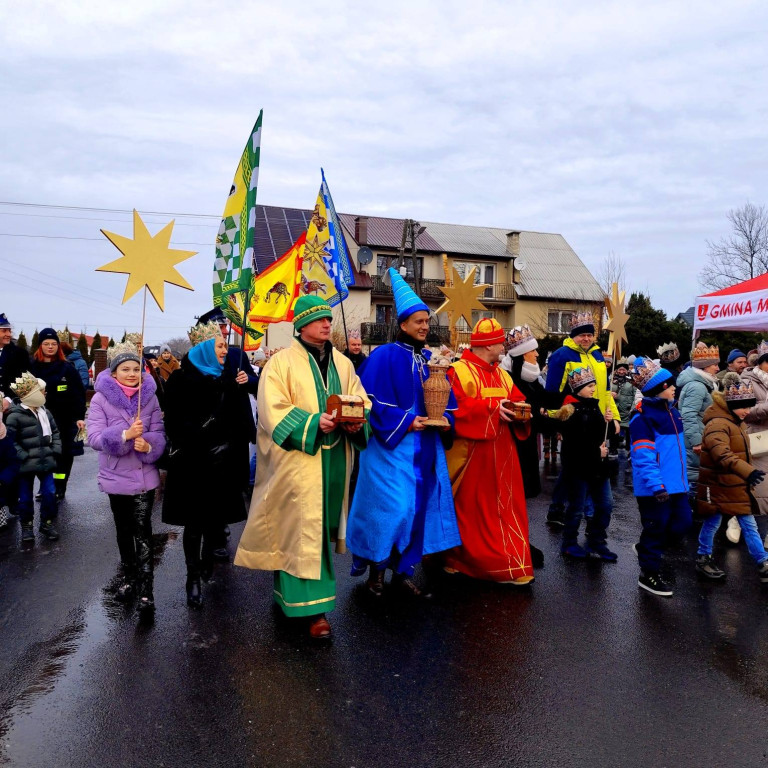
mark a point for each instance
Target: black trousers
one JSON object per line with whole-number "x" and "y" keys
{"x": 133, "y": 522}
{"x": 199, "y": 542}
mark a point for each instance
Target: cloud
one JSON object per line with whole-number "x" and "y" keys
{"x": 625, "y": 126}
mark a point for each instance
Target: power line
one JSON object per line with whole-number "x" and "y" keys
{"x": 108, "y": 210}
{"x": 89, "y": 218}
{"x": 92, "y": 239}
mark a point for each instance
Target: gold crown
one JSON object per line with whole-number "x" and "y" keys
{"x": 65, "y": 337}
{"x": 25, "y": 384}
{"x": 135, "y": 339}
{"x": 122, "y": 348}
{"x": 200, "y": 333}
{"x": 519, "y": 335}
{"x": 668, "y": 353}
{"x": 645, "y": 370}
{"x": 582, "y": 318}
{"x": 702, "y": 352}
{"x": 762, "y": 348}
{"x": 739, "y": 390}
{"x": 580, "y": 377}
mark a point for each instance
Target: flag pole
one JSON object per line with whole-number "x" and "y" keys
{"x": 344, "y": 323}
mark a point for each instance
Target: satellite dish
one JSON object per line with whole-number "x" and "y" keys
{"x": 364, "y": 256}
{"x": 520, "y": 264}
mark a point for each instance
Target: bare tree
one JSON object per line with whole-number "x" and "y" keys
{"x": 743, "y": 254}
{"x": 179, "y": 345}
{"x": 613, "y": 269}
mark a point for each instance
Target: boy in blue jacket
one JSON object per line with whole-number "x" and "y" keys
{"x": 658, "y": 470}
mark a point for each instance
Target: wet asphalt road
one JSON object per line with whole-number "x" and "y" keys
{"x": 583, "y": 669}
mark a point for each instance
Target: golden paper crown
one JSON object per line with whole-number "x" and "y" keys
{"x": 702, "y": 352}
{"x": 668, "y": 353}
{"x": 65, "y": 337}
{"x": 135, "y": 339}
{"x": 645, "y": 370}
{"x": 26, "y": 383}
{"x": 582, "y": 318}
{"x": 519, "y": 335}
{"x": 736, "y": 390}
{"x": 122, "y": 348}
{"x": 580, "y": 377}
{"x": 762, "y": 349}
{"x": 201, "y": 333}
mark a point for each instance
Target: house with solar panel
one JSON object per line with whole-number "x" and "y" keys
{"x": 532, "y": 277}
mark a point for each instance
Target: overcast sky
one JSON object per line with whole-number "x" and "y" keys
{"x": 630, "y": 127}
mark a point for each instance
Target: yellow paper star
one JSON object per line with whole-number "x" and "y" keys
{"x": 147, "y": 260}
{"x": 461, "y": 297}
{"x": 617, "y": 320}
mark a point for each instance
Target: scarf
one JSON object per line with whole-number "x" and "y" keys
{"x": 530, "y": 372}
{"x": 42, "y": 416}
{"x": 708, "y": 377}
{"x": 203, "y": 357}
{"x": 129, "y": 391}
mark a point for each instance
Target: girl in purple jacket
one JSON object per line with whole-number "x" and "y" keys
{"x": 129, "y": 446}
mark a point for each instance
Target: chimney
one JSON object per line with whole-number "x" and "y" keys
{"x": 361, "y": 230}
{"x": 513, "y": 244}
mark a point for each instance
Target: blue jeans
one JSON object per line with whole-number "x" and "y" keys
{"x": 751, "y": 536}
{"x": 560, "y": 497}
{"x": 581, "y": 491}
{"x": 660, "y": 522}
{"x": 48, "y": 506}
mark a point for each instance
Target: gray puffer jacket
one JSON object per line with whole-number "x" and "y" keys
{"x": 36, "y": 453}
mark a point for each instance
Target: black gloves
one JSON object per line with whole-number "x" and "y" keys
{"x": 661, "y": 496}
{"x": 755, "y": 478}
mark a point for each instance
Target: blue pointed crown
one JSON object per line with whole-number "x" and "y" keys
{"x": 406, "y": 301}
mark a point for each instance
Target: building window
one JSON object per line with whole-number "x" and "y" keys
{"x": 483, "y": 274}
{"x": 384, "y": 313}
{"x": 559, "y": 320}
{"x": 477, "y": 314}
{"x": 384, "y": 262}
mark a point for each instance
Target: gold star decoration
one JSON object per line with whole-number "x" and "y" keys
{"x": 617, "y": 320}
{"x": 461, "y": 297}
{"x": 313, "y": 253}
{"x": 147, "y": 260}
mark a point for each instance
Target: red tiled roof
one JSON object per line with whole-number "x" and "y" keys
{"x": 89, "y": 340}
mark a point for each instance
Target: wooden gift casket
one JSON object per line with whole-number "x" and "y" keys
{"x": 348, "y": 409}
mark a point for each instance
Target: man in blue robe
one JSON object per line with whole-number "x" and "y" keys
{"x": 403, "y": 504}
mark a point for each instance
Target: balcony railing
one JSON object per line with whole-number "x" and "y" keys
{"x": 378, "y": 333}
{"x": 498, "y": 293}
{"x": 429, "y": 287}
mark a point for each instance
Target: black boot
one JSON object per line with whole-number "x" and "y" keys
{"x": 126, "y": 589}
{"x": 375, "y": 581}
{"x": 194, "y": 592}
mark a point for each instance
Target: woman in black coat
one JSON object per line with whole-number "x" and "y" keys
{"x": 64, "y": 398}
{"x": 522, "y": 363}
{"x": 208, "y": 453}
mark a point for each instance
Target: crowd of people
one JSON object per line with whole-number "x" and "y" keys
{"x": 404, "y": 458}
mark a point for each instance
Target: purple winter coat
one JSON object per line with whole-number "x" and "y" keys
{"x": 123, "y": 470}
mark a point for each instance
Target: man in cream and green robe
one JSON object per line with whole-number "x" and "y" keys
{"x": 299, "y": 503}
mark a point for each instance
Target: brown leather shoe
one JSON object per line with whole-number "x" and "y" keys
{"x": 319, "y": 628}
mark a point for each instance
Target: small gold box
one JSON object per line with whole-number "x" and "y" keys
{"x": 346, "y": 408}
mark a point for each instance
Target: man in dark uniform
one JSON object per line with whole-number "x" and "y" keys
{"x": 13, "y": 361}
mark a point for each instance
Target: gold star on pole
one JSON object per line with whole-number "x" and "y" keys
{"x": 617, "y": 320}
{"x": 461, "y": 297}
{"x": 147, "y": 260}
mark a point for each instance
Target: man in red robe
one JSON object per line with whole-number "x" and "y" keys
{"x": 484, "y": 467}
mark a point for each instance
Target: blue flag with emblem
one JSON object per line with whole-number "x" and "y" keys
{"x": 337, "y": 257}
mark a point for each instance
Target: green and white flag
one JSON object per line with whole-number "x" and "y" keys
{"x": 233, "y": 265}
